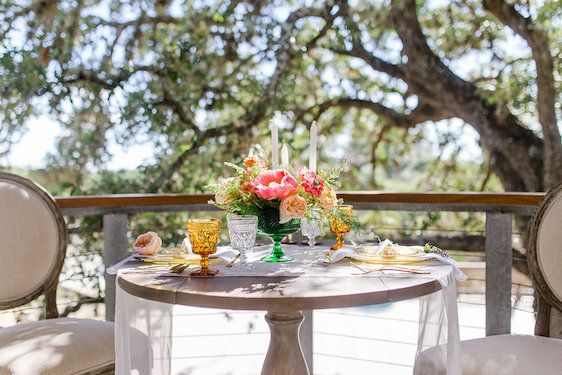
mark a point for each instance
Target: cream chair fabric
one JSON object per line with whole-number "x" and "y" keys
{"x": 549, "y": 246}
{"x": 519, "y": 354}
{"x": 29, "y": 240}
{"x": 499, "y": 355}
{"x": 32, "y": 250}
{"x": 57, "y": 347}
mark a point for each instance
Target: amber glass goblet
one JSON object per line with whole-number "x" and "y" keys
{"x": 338, "y": 226}
{"x": 204, "y": 237}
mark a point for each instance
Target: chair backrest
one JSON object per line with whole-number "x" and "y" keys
{"x": 32, "y": 241}
{"x": 544, "y": 247}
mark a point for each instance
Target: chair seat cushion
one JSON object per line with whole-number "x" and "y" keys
{"x": 499, "y": 355}
{"x": 56, "y": 346}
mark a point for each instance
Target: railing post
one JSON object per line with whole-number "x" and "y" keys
{"x": 115, "y": 246}
{"x": 499, "y": 259}
{"x": 306, "y": 339}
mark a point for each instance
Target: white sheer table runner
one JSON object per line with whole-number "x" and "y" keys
{"x": 144, "y": 328}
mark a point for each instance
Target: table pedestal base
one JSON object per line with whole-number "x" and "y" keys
{"x": 284, "y": 355}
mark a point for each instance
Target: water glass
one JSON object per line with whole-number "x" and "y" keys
{"x": 311, "y": 227}
{"x": 242, "y": 230}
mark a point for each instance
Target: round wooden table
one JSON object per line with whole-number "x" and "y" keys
{"x": 283, "y": 298}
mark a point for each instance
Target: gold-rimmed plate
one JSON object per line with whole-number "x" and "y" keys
{"x": 390, "y": 260}
{"x": 400, "y": 255}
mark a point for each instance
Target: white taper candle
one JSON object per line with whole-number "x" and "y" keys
{"x": 313, "y": 146}
{"x": 274, "y": 143}
{"x": 284, "y": 156}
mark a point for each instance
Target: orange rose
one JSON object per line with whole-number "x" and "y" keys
{"x": 251, "y": 161}
{"x": 246, "y": 187}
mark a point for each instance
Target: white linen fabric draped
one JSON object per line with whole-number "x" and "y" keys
{"x": 439, "y": 326}
{"x": 143, "y": 335}
{"x": 143, "y": 328}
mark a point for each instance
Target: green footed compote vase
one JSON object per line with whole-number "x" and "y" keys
{"x": 268, "y": 224}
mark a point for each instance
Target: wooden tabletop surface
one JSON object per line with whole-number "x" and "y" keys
{"x": 276, "y": 293}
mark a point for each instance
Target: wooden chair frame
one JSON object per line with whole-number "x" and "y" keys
{"x": 49, "y": 287}
{"x": 546, "y": 297}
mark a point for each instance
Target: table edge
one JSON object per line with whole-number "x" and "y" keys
{"x": 279, "y": 303}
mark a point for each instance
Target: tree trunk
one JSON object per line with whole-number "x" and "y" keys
{"x": 517, "y": 153}
{"x": 546, "y": 92}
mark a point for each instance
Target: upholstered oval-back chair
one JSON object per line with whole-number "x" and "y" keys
{"x": 33, "y": 240}
{"x": 521, "y": 354}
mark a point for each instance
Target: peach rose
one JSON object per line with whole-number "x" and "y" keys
{"x": 328, "y": 199}
{"x": 148, "y": 243}
{"x": 221, "y": 198}
{"x": 292, "y": 207}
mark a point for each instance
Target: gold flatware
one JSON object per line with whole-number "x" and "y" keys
{"x": 179, "y": 268}
{"x": 390, "y": 268}
{"x": 391, "y": 261}
{"x": 231, "y": 263}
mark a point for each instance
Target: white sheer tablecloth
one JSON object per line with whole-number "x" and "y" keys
{"x": 144, "y": 329}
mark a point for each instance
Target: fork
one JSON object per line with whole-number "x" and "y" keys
{"x": 390, "y": 268}
{"x": 179, "y": 268}
{"x": 231, "y": 263}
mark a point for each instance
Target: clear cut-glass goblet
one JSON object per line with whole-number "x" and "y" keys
{"x": 311, "y": 227}
{"x": 242, "y": 230}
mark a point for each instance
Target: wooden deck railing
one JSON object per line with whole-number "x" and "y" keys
{"x": 499, "y": 209}
{"x": 471, "y": 201}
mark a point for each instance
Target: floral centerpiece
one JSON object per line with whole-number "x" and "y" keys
{"x": 279, "y": 197}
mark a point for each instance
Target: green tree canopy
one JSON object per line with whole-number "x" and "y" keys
{"x": 202, "y": 79}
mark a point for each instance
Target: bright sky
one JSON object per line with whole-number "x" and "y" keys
{"x": 41, "y": 138}
{"x": 35, "y": 143}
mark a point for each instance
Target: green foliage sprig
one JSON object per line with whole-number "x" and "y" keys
{"x": 431, "y": 249}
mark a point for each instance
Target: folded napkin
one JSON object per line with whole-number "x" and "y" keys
{"x": 226, "y": 253}
{"x": 367, "y": 252}
{"x": 186, "y": 245}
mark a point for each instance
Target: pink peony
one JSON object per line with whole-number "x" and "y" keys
{"x": 292, "y": 207}
{"x": 276, "y": 184}
{"x": 311, "y": 183}
{"x": 148, "y": 243}
{"x": 328, "y": 199}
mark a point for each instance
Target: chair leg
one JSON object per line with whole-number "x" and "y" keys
{"x": 51, "y": 310}
{"x": 542, "y": 326}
